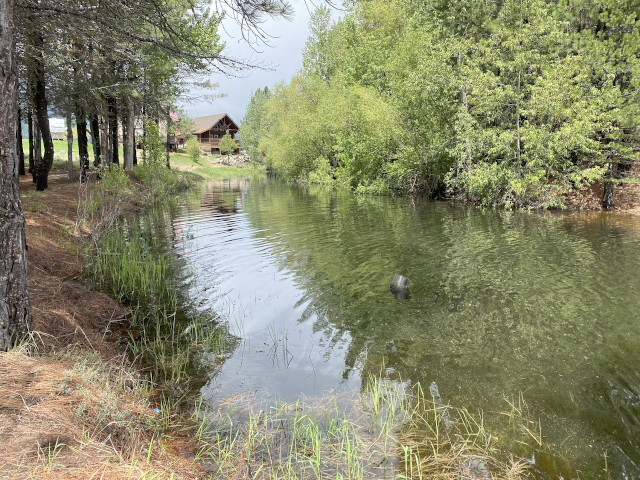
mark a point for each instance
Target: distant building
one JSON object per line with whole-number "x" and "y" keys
{"x": 58, "y": 128}
{"x": 210, "y": 129}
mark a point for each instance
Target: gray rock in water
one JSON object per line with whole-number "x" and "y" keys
{"x": 400, "y": 286}
{"x": 474, "y": 469}
{"x": 444, "y": 412}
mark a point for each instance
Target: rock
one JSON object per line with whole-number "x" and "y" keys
{"x": 444, "y": 412}
{"x": 474, "y": 469}
{"x": 400, "y": 287}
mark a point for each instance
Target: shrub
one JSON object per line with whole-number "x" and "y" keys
{"x": 193, "y": 150}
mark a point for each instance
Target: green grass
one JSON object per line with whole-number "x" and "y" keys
{"x": 387, "y": 431}
{"x": 203, "y": 170}
{"x": 60, "y": 152}
{"x": 163, "y": 333}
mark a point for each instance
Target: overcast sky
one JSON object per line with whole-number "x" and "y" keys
{"x": 282, "y": 57}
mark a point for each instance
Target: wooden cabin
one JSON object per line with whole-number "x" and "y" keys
{"x": 210, "y": 129}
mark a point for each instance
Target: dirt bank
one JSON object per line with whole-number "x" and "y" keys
{"x": 71, "y": 405}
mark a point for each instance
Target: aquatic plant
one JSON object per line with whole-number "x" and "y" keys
{"x": 388, "y": 430}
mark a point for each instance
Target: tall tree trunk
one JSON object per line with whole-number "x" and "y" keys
{"x": 607, "y": 198}
{"x": 19, "y": 142}
{"x": 95, "y": 140}
{"x": 30, "y": 133}
{"x": 144, "y": 138}
{"x": 83, "y": 140}
{"x": 15, "y": 312}
{"x": 104, "y": 136}
{"x": 37, "y": 149}
{"x": 133, "y": 139}
{"x": 69, "y": 148}
{"x": 126, "y": 144}
{"x": 168, "y": 138}
{"x": 113, "y": 129}
{"x": 42, "y": 114}
{"x": 128, "y": 140}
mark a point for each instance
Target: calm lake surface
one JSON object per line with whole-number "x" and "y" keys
{"x": 502, "y": 304}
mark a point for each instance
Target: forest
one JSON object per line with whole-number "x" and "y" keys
{"x": 512, "y": 103}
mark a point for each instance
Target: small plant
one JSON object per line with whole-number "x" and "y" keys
{"x": 227, "y": 145}
{"x": 154, "y": 148}
{"x": 193, "y": 150}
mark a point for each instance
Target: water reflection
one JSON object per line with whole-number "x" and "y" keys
{"x": 501, "y": 303}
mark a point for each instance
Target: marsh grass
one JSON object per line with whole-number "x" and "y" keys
{"x": 389, "y": 430}
{"x": 165, "y": 333}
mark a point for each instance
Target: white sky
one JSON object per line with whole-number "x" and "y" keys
{"x": 282, "y": 57}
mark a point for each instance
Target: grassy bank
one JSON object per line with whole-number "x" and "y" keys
{"x": 207, "y": 168}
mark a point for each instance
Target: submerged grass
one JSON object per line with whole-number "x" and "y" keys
{"x": 389, "y": 430}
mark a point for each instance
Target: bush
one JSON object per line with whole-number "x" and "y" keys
{"x": 193, "y": 150}
{"x": 159, "y": 182}
{"x": 154, "y": 148}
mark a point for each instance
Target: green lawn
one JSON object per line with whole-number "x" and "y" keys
{"x": 203, "y": 169}
{"x": 181, "y": 161}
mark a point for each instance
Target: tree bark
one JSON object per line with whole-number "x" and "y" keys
{"x": 42, "y": 114}
{"x": 19, "y": 142}
{"x": 30, "y": 133}
{"x": 113, "y": 129}
{"x": 83, "y": 140}
{"x": 144, "y": 137}
{"x": 69, "y": 148}
{"x": 126, "y": 144}
{"x": 135, "y": 143}
{"x": 15, "y": 311}
{"x": 104, "y": 136}
{"x": 168, "y": 138}
{"x": 607, "y": 198}
{"x": 128, "y": 141}
{"x": 95, "y": 140}
{"x": 37, "y": 149}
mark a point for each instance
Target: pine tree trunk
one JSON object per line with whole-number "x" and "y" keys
{"x": 15, "y": 312}
{"x": 30, "y": 133}
{"x": 133, "y": 139}
{"x": 69, "y": 148}
{"x": 37, "y": 150}
{"x": 95, "y": 140}
{"x": 168, "y": 138}
{"x": 104, "y": 136}
{"x": 126, "y": 144}
{"x": 128, "y": 140}
{"x": 113, "y": 129}
{"x": 42, "y": 114}
{"x": 83, "y": 140}
{"x": 19, "y": 142}
{"x": 607, "y": 198}
{"x": 144, "y": 140}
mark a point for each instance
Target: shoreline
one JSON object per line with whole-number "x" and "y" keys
{"x": 78, "y": 362}
{"x": 74, "y": 374}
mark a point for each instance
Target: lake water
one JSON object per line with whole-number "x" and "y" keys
{"x": 502, "y": 304}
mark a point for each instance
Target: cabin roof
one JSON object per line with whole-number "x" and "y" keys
{"x": 204, "y": 124}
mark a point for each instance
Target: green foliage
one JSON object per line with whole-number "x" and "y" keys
{"x": 227, "y": 144}
{"x": 153, "y": 145}
{"x": 184, "y": 126}
{"x": 515, "y": 103}
{"x": 159, "y": 182}
{"x": 251, "y": 130}
{"x": 193, "y": 149}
